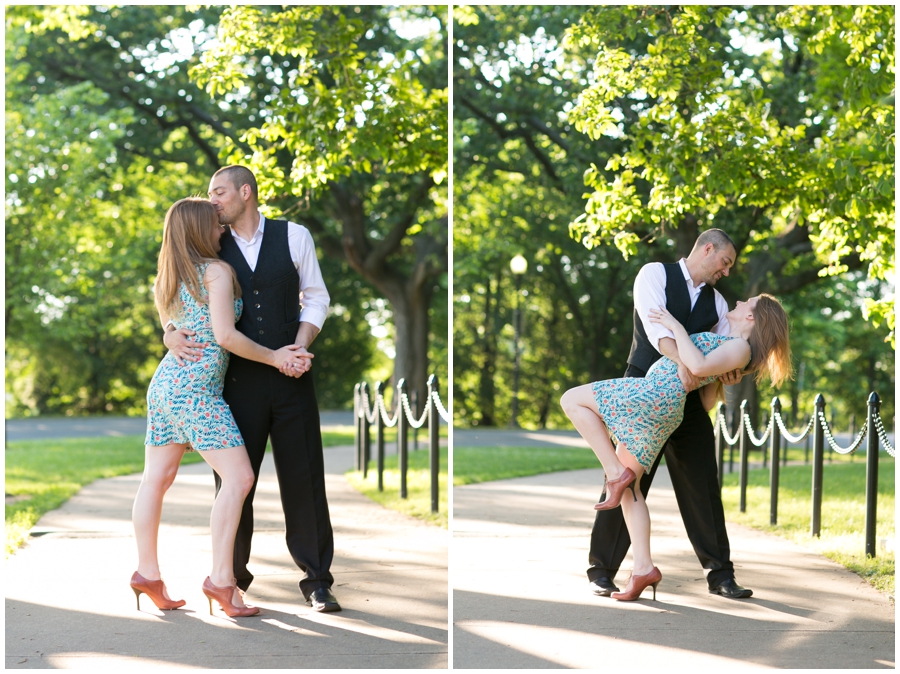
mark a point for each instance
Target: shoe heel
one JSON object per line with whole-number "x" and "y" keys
{"x": 210, "y": 605}
{"x": 654, "y": 589}
{"x": 633, "y": 495}
{"x": 137, "y": 596}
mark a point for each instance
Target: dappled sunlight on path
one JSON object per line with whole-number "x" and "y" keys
{"x": 521, "y": 596}
{"x": 69, "y": 605}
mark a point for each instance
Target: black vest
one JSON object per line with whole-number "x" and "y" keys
{"x": 271, "y": 293}
{"x": 678, "y": 301}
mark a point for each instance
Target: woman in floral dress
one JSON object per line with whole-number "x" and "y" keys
{"x": 641, "y": 413}
{"x": 185, "y": 408}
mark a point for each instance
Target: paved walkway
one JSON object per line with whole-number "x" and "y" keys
{"x": 68, "y": 604}
{"x": 521, "y": 598}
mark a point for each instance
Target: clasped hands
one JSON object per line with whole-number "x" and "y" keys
{"x": 293, "y": 360}
{"x": 297, "y": 360}
{"x": 688, "y": 378}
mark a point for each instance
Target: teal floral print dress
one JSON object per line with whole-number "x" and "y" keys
{"x": 184, "y": 403}
{"x": 643, "y": 412}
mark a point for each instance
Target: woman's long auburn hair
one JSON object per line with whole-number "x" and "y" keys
{"x": 187, "y": 242}
{"x": 770, "y": 347}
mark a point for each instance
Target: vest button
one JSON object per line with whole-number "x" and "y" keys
{"x": 257, "y": 306}
{"x": 259, "y": 318}
{"x": 256, "y": 292}
{"x": 261, "y": 332}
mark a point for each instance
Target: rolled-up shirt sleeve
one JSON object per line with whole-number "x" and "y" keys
{"x": 722, "y": 327}
{"x": 314, "y": 297}
{"x": 650, "y": 293}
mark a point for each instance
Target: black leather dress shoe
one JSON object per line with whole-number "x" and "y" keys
{"x": 729, "y": 588}
{"x": 323, "y": 600}
{"x": 603, "y": 586}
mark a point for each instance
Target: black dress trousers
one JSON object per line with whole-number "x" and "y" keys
{"x": 267, "y": 403}
{"x": 691, "y": 459}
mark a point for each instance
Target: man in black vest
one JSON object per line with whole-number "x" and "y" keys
{"x": 686, "y": 290}
{"x": 276, "y": 265}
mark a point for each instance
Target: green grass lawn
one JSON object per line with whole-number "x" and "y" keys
{"x": 483, "y": 464}
{"x": 796, "y": 454}
{"x": 418, "y": 483}
{"x": 41, "y": 475}
{"x": 843, "y": 512}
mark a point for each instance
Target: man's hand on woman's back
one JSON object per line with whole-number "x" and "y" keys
{"x": 182, "y": 347}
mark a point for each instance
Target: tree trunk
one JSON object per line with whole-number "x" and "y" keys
{"x": 735, "y": 395}
{"x": 408, "y": 288}
{"x": 486, "y": 388}
{"x": 410, "y": 309}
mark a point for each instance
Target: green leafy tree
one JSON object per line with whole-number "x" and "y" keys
{"x": 798, "y": 132}
{"x": 355, "y": 123}
{"x": 518, "y": 181}
{"x": 519, "y": 172}
{"x": 105, "y": 130}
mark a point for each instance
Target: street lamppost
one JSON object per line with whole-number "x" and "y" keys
{"x": 518, "y": 265}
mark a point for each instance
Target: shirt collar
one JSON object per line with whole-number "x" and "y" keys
{"x": 687, "y": 275}
{"x": 259, "y": 231}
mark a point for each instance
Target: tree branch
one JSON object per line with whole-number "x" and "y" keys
{"x": 394, "y": 238}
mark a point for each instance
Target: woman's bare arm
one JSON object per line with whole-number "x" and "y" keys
{"x": 731, "y": 355}
{"x": 221, "y": 310}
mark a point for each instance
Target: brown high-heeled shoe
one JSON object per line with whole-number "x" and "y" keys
{"x": 637, "y": 584}
{"x": 156, "y": 590}
{"x": 223, "y": 595}
{"x": 616, "y": 488}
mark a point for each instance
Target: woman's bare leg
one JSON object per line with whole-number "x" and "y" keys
{"x": 637, "y": 517}
{"x": 160, "y": 468}
{"x": 578, "y": 404}
{"x": 233, "y": 466}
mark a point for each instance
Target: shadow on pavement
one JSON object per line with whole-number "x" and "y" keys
{"x": 69, "y": 605}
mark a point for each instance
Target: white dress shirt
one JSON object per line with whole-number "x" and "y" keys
{"x": 650, "y": 293}
{"x": 313, "y": 295}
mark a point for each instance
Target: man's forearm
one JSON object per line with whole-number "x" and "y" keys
{"x": 708, "y": 396}
{"x": 306, "y": 334}
{"x": 669, "y": 348}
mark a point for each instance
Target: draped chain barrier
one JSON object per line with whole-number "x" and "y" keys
{"x": 819, "y": 428}
{"x": 786, "y": 434}
{"x": 749, "y": 427}
{"x": 834, "y": 445}
{"x": 882, "y": 436}
{"x": 368, "y": 413}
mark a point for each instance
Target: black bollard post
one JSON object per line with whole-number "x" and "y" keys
{"x": 720, "y": 443}
{"x": 366, "y": 431}
{"x": 762, "y": 450}
{"x": 830, "y": 448}
{"x": 775, "y": 449}
{"x": 357, "y": 432}
{"x": 806, "y": 447}
{"x": 785, "y": 445}
{"x": 414, "y": 403}
{"x": 379, "y": 429}
{"x": 433, "y": 441}
{"x": 402, "y": 439}
{"x": 731, "y": 448}
{"x": 818, "y": 458}
{"x": 745, "y": 446}
{"x": 852, "y": 434}
{"x": 871, "y": 473}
